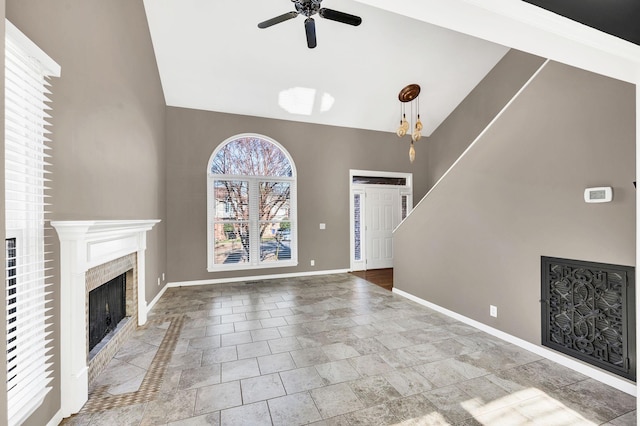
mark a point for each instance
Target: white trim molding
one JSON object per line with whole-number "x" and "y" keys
{"x": 361, "y": 190}
{"x": 254, "y": 278}
{"x": 606, "y": 378}
{"x": 84, "y": 245}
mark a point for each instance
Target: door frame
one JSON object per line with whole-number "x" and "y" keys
{"x": 360, "y": 189}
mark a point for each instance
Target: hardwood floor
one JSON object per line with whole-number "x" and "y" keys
{"x": 379, "y": 277}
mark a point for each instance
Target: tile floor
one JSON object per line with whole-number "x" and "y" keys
{"x": 331, "y": 350}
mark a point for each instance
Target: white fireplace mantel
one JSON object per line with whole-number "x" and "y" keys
{"x": 85, "y": 244}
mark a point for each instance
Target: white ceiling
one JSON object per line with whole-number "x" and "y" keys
{"x": 212, "y": 56}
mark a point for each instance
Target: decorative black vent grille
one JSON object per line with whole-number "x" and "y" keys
{"x": 107, "y": 307}
{"x": 588, "y": 312}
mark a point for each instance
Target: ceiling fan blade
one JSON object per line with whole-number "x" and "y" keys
{"x": 345, "y": 18}
{"x": 310, "y": 28}
{"x": 277, "y": 19}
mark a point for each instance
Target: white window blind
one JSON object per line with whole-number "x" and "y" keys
{"x": 27, "y": 281}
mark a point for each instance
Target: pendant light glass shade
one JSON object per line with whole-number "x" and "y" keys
{"x": 404, "y": 126}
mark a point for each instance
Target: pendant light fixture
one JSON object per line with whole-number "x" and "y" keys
{"x": 409, "y": 95}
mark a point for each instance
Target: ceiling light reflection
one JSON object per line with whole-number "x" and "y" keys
{"x": 301, "y": 100}
{"x": 297, "y": 100}
{"x": 327, "y": 102}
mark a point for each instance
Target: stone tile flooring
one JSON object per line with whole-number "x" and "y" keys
{"x": 331, "y": 350}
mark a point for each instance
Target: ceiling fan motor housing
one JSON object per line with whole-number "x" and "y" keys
{"x": 307, "y": 7}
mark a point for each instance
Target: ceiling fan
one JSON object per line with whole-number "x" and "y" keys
{"x": 309, "y": 8}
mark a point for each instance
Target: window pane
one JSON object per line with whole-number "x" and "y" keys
{"x": 12, "y": 344}
{"x": 357, "y": 255}
{"x": 275, "y": 241}
{"x": 275, "y": 201}
{"x": 231, "y": 199}
{"x": 231, "y": 244}
{"x": 251, "y": 183}
{"x": 380, "y": 180}
{"x": 404, "y": 207}
{"x": 251, "y": 156}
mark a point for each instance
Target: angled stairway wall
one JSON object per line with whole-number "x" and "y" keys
{"x": 476, "y": 111}
{"x": 517, "y": 194}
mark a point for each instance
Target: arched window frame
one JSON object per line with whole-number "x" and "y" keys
{"x": 253, "y": 183}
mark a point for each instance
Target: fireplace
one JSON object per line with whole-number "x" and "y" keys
{"x": 107, "y": 308}
{"x": 92, "y": 253}
{"x": 97, "y": 280}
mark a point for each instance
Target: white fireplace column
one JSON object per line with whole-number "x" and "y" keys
{"x": 84, "y": 245}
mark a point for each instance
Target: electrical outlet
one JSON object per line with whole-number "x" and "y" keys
{"x": 313, "y": 263}
{"x": 493, "y": 311}
{"x": 163, "y": 276}
{"x": 323, "y": 226}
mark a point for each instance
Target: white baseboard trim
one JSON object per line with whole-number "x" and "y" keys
{"x": 618, "y": 383}
{"x": 155, "y": 299}
{"x": 254, "y": 278}
{"x": 56, "y": 419}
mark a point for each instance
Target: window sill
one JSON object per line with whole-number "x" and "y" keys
{"x": 283, "y": 264}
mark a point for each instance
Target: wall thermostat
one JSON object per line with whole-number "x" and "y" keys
{"x": 602, "y": 194}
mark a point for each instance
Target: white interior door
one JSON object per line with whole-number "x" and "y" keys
{"x": 379, "y": 202}
{"x": 382, "y": 215}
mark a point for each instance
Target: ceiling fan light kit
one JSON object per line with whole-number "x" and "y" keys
{"x": 309, "y": 8}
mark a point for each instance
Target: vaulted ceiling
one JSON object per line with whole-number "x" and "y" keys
{"x": 212, "y": 56}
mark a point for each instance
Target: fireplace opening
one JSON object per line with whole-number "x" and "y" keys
{"x": 107, "y": 307}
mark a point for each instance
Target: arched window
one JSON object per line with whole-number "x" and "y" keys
{"x": 251, "y": 205}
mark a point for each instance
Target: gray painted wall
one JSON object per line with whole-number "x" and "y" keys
{"x": 477, "y": 110}
{"x": 108, "y": 123}
{"x": 323, "y": 156}
{"x": 517, "y": 195}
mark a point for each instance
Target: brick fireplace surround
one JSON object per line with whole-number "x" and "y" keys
{"x": 90, "y": 252}
{"x": 96, "y": 277}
